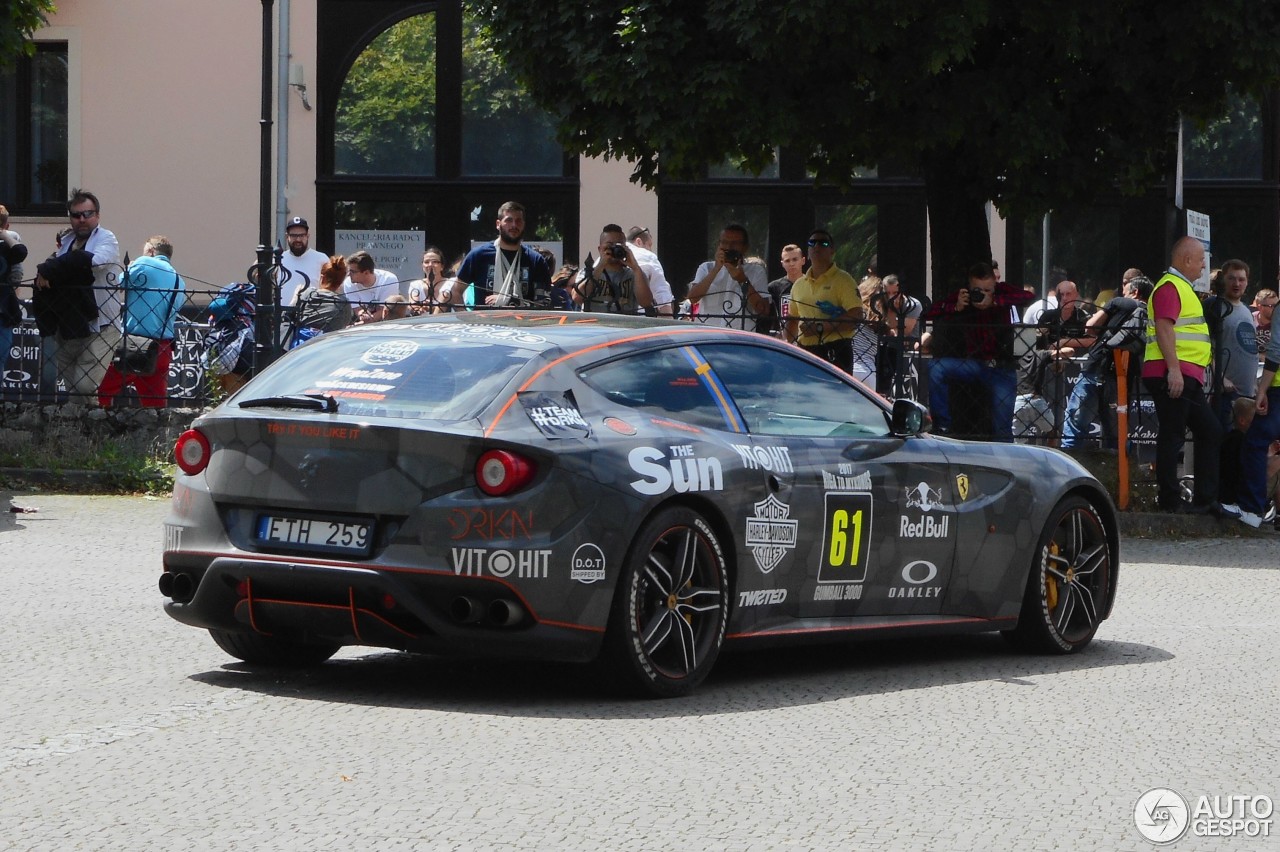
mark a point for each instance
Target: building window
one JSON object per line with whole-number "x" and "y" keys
{"x": 385, "y": 122}
{"x": 503, "y": 132}
{"x": 1227, "y": 148}
{"x": 33, "y": 144}
{"x": 855, "y": 230}
{"x": 1084, "y": 244}
{"x": 753, "y": 217}
{"x": 734, "y": 169}
{"x": 422, "y": 129}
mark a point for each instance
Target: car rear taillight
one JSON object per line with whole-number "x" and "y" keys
{"x": 192, "y": 452}
{"x": 500, "y": 472}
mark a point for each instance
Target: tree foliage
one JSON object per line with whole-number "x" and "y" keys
{"x": 387, "y": 112}
{"x": 1229, "y": 146}
{"x": 19, "y": 19}
{"x": 1029, "y": 104}
{"x": 385, "y": 121}
{"x": 503, "y": 131}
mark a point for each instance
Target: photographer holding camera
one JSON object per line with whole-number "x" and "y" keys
{"x": 973, "y": 342}
{"x": 617, "y": 284}
{"x": 897, "y": 319}
{"x": 731, "y": 291}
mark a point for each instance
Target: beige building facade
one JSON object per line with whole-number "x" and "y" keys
{"x": 163, "y": 124}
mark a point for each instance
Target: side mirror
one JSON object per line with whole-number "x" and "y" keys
{"x": 909, "y": 418}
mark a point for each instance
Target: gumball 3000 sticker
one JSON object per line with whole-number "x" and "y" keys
{"x": 391, "y": 352}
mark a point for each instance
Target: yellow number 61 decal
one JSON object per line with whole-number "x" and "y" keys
{"x": 846, "y": 538}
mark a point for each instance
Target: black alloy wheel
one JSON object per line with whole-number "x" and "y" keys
{"x": 671, "y": 608}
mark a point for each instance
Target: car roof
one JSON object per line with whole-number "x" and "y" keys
{"x": 546, "y": 330}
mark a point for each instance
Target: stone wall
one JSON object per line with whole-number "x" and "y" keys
{"x": 79, "y": 446}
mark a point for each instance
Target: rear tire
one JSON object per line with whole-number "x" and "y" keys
{"x": 671, "y": 607}
{"x": 1070, "y": 584}
{"x": 271, "y": 651}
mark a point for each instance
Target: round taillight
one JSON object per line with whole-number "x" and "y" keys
{"x": 501, "y": 472}
{"x": 192, "y": 452}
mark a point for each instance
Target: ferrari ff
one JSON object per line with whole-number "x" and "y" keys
{"x": 631, "y": 491}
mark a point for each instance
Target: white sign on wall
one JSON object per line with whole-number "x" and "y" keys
{"x": 398, "y": 252}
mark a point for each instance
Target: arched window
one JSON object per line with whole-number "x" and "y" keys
{"x": 385, "y": 121}
{"x": 421, "y": 129}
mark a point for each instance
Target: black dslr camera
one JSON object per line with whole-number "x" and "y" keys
{"x": 976, "y": 295}
{"x": 617, "y": 251}
{"x": 733, "y": 257}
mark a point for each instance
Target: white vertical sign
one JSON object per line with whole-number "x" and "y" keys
{"x": 1198, "y": 227}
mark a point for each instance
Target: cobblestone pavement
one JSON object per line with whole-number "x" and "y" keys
{"x": 124, "y": 730}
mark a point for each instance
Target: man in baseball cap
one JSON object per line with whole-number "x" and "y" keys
{"x": 302, "y": 262}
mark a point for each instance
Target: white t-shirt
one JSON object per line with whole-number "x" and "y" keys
{"x": 658, "y": 284}
{"x": 303, "y": 272}
{"x": 384, "y": 285}
{"x": 451, "y": 294}
{"x": 420, "y": 292}
{"x": 723, "y": 303}
{"x": 1031, "y": 315}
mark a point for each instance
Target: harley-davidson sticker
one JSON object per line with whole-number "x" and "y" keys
{"x": 771, "y": 533}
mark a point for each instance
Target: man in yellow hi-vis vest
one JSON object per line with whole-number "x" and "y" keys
{"x": 1177, "y": 358}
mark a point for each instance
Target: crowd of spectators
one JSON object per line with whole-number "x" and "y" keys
{"x": 996, "y": 358}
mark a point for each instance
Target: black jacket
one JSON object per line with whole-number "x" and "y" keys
{"x": 67, "y": 306}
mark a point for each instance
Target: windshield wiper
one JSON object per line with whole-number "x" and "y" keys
{"x": 304, "y": 401}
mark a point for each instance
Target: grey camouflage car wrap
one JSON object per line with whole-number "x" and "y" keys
{"x": 823, "y": 536}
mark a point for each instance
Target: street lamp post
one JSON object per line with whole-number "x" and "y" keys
{"x": 263, "y": 273}
{"x": 265, "y": 184}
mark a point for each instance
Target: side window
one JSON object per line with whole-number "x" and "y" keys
{"x": 666, "y": 383}
{"x": 780, "y": 394}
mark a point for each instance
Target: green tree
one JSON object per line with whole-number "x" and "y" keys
{"x": 503, "y": 131}
{"x": 385, "y": 121}
{"x": 1031, "y": 105}
{"x": 18, "y": 20}
{"x": 1229, "y": 146}
{"x": 387, "y": 113}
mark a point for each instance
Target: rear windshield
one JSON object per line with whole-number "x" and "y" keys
{"x": 436, "y": 377}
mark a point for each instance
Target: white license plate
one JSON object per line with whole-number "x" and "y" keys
{"x": 316, "y": 533}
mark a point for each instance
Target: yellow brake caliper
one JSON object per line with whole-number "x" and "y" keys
{"x": 1051, "y": 582}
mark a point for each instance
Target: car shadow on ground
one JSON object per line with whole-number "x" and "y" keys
{"x": 746, "y": 681}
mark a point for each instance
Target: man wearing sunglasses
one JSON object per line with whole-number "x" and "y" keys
{"x": 78, "y": 298}
{"x": 825, "y": 306}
